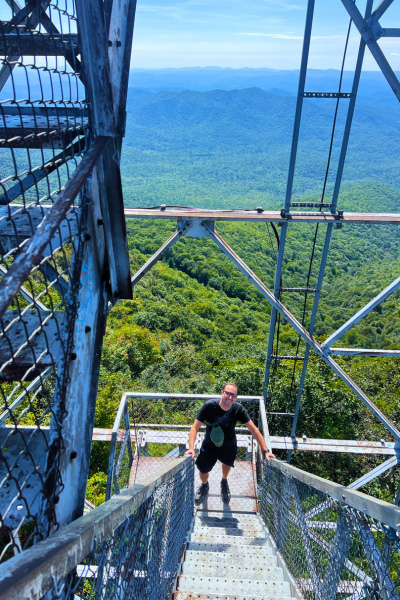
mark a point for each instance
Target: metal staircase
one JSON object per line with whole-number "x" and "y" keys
{"x": 230, "y": 556}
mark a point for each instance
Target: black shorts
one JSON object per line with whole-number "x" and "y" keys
{"x": 209, "y": 454}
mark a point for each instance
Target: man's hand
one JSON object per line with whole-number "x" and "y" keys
{"x": 268, "y": 455}
{"x": 191, "y": 452}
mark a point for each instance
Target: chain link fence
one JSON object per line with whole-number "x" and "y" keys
{"x": 333, "y": 548}
{"x": 43, "y": 137}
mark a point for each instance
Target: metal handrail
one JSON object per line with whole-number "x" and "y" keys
{"x": 32, "y": 573}
{"x": 377, "y": 509}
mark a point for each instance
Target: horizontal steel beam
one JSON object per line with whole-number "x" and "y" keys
{"x": 363, "y": 352}
{"x": 204, "y": 397}
{"x": 384, "y": 512}
{"x": 38, "y": 44}
{"x": 55, "y": 557}
{"x": 262, "y": 216}
{"x": 101, "y": 434}
{"x": 327, "y": 94}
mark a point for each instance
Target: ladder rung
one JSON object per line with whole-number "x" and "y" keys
{"x": 282, "y": 357}
{"x": 327, "y": 94}
{"x": 300, "y": 290}
{"x": 311, "y": 204}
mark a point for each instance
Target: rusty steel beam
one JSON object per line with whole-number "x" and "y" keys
{"x": 263, "y": 216}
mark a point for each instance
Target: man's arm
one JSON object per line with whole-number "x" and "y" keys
{"x": 192, "y": 437}
{"x": 256, "y": 433}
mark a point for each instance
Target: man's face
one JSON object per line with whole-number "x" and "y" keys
{"x": 228, "y": 396}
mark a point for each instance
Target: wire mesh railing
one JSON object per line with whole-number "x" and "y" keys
{"x": 130, "y": 547}
{"x": 336, "y": 542}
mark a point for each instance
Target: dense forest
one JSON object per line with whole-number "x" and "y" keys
{"x": 196, "y": 322}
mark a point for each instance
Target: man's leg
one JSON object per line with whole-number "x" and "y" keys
{"x": 204, "y": 477}
{"x": 225, "y": 471}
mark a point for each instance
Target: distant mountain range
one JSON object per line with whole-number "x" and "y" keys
{"x": 372, "y": 84}
{"x": 231, "y": 148}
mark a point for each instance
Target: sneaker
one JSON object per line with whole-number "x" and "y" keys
{"x": 202, "y": 491}
{"x": 225, "y": 491}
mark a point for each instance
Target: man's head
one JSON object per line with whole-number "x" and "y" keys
{"x": 228, "y": 395}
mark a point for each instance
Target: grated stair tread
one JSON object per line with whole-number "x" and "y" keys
{"x": 230, "y": 540}
{"x": 248, "y": 551}
{"x": 192, "y": 596}
{"x": 222, "y": 558}
{"x": 242, "y": 520}
{"x": 224, "y": 585}
{"x": 228, "y": 531}
{"x": 227, "y": 571}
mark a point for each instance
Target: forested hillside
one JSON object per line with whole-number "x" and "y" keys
{"x": 196, "y": 322}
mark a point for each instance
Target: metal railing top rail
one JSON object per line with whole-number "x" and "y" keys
{"x": 375, "y": 508}
{"x": 158, "y": 396}
{"x": 32, "y": 573}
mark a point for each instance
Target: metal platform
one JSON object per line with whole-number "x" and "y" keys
{"x": 242, "y": 483}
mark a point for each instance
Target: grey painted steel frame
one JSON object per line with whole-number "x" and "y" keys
{"x": 104, "y": 92}
{"x": 289, "y": 187}
{"x": 305, "y": 335}
{"x": 370, "y": 31}
{"x": 324, "y": 258}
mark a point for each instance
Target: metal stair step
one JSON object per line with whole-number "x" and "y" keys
{"x": 229, "y": 540}
{"x": 244, "y": 550}
{"x": 194, "y": 596}
{"x": 207, "y": 517}
{"x": 223, "y": 585}
{"x": 235, "y": 531}
{"x": 221, "y": 558}
{"x": 227, "y": 571}
{"x": 209, "y": 521}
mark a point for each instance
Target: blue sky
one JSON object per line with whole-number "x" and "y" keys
{"x": 255, "y": 33}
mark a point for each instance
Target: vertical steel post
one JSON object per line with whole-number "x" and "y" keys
{"x": 350, "y": 113}
{"x": 314, "y": 313}
{"x": 289, "y": 186}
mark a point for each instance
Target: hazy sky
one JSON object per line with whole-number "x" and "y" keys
{"x": 254, "y": 33}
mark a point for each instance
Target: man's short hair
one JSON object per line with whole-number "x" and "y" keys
{"x": 230, "y": 383}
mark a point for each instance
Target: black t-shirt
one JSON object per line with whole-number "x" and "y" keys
{"x": 211, "y": 411}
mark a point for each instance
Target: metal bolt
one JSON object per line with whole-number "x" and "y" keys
{"x": 87, "y": 329}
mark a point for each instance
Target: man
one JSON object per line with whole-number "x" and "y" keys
{"x": 226, "y": 414}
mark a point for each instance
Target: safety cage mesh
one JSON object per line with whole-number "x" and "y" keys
{"x": 43, "y": 136}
